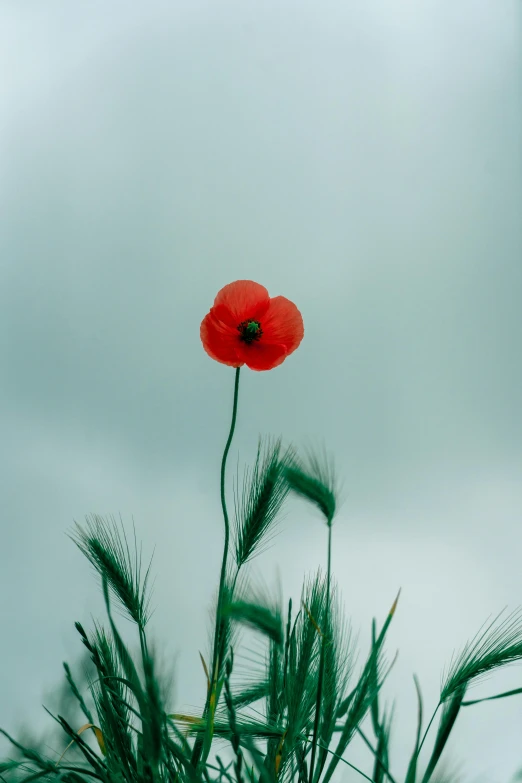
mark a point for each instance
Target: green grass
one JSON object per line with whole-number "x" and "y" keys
{"x": 293, "y": 720}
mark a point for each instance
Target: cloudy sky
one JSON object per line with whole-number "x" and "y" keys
{"x": 363, "y": 159}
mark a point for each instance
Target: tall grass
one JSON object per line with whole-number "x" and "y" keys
{"x": 294, "y": 720}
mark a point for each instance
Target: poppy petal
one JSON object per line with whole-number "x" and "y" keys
{"x": 261, "y": 356}
{"x": 283, "y": 324}
{"x": 220, "y": 341}
{"x": 240, "y": 300}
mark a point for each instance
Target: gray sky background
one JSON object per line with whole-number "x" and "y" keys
{"x": 363, "y": 159}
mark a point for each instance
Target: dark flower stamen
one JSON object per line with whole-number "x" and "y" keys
{"x": 249, "y": 331}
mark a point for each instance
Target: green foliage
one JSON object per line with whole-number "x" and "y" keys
{"x": 339, "y": 652}
{"x": 298, "y": 699}
{"x": 449, "y": 716}
{"x": 292, "y": 717}
{"x": 264, "y": 492}
{"x": 382, "y": 756}
{"x": 514, "y": 692}
{"x": 108, "y": 551}
{"x": 76, "y": 693}
{"x": 411, "y": 774}
{"x": 498, "y": 645}
{"x": 251, "y": 694}
{"x": 234, "y": 729}
{"x": 263, "y": 618}
{"x": 226, "y": 634}
{"x": 314, "y": 479}
{"x": 365, "y": 692}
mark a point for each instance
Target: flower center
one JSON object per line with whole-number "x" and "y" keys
{"x": 249, "y": 331}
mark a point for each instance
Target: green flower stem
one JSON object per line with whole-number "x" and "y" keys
{"x": 217, "y": 633}
{"x": 324, "y": 641}
{"x": 225, "y": 515}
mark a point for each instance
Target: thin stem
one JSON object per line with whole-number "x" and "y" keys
{"x": 227, "y": 525}
{"x": 428, "y": 728}
{"x": 324, "y": 641}
{"x": 234, "y": 581}
{"x": 222, "y": 771}
{"x": 381, "y": 762}
{"x": 143, "y": 645}
{"x": 217, "y": 633}
{"x": 344, "y": 761}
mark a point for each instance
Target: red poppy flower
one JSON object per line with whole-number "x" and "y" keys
{"x": 247, "y": 326}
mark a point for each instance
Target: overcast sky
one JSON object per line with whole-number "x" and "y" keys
{"x": 361, "y": 158}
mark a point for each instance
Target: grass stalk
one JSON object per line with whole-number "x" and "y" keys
{"x": 324, "y": 641}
